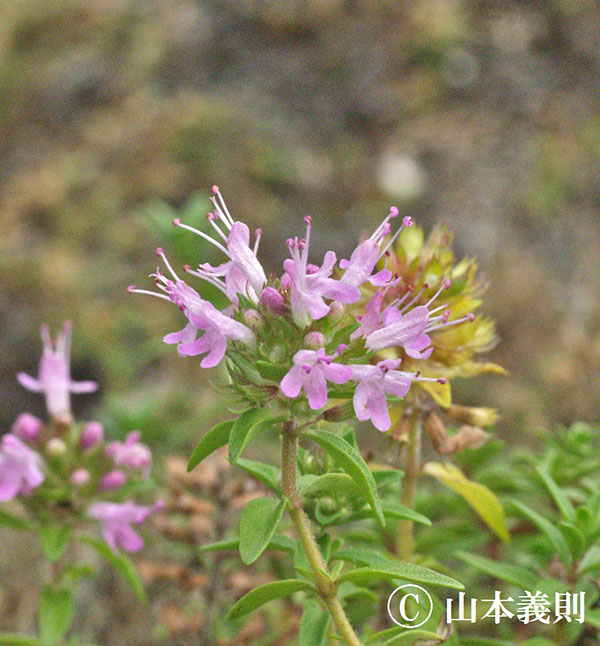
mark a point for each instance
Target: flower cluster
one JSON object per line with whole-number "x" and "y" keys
{"x": 69, "y": 466}
{"x": 315, "y": 333}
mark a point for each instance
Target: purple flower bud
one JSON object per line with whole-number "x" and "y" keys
{"x": 27, "y": 427}
{"x": 80, "y": 477}
{"x": 272, "y": 300}
{"x": 91, "y": 435}
{"x": 314, "y": 340}
{"x": 112, "y": 480}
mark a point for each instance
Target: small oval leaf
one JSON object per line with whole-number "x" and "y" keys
{"x": 267, "y": 592}
{"x": 258, "y": 523}
{"x": 214, "y": 439}
{"x": 247, "y": 426}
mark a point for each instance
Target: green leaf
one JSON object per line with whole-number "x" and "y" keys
{"x": 278, "y": 542}
{"x": 481, "y": 499}
{"x": 55, "y": 539}
{"x": 518, "y": 576}
{"x": 56, "y": 614}
{"x": 385, "y": 477}
{"x": 214, "y": 439}
{"x": 258, "y": 523}
{"x": 590, "y": 560}
{"x": 247, "y": 426}
{"x": 392, "y": 510}
{"x": 546, "y": 527}
{"x": 267, "y": 592}
{"x": 573, "y": 536}
{"x": 265, "y": 473}
{"x": 381, "y": 567}
{"x": 560, "y": 497}
{"x": 313, "y": 626}
{"x": 351, "y": 461}
{"x": 272, "y": 371}
{"x": 331, "y": 483}
{"x": 14, "y": 522}
{"x": 12, "y": 639}
{"x": 122, "y": 563}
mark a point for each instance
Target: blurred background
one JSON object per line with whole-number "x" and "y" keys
{"x": 118, "y": 115}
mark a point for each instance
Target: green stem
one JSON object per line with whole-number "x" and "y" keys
{"x": 325, "y": 584}
{"x": 405, "y": 539}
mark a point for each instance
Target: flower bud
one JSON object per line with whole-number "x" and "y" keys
{"x": 112, "y": 480}
{"x": 252, "y": 319}
{"x": 339, "y": 413}
{"x": 336, "y": 311}
{"x": 80, "y": 477}
{"x": 314, "y": 340}
{"x": 470, "y": 437}
{"x": 91, "y": 435}
{"x": 27, "y": 428}
{"x": 434, "y": 427}
{"x": 473, "y": 416}
{"x": 272, "y": 301}
{"x": 56, "y": 447}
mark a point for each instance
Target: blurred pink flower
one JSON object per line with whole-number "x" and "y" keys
{"x": 131, "y": 453}
{"x": 54, "y": 378}
{"x": 91, "y": 435}
{"x": 20, "y": 468}
{"x": 27, "y": 427}
{"x": 117, "y": 519}
{"x": 112, "y": 481}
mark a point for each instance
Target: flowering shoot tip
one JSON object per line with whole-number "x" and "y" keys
{"x": 447, "y": 283}
{"x": 131, "y": 289}
{"x": 394, "y": 212}
{"x": 215, "y": 189}
{"x": 407, "y": 221}
{"x": 308, "y": 219}
{"x": 471, "y": 316}
{"x": 176, "y": 222}
{"x": 441, "y": 380}
{"x": 160, "y": 251}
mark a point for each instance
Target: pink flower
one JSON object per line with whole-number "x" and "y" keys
{"x": 117, "y": 519}
{"x": 311, "y": 371}
{"x": 54, "y": 375}
{"x": 27, "y": 428}
{"x": 407, "y": 328}
{"x": 242, "y": 273}
{"x": 91, "y": 435}
{"x": 374, "y": 383}
{"x": 365, "y": 257}
{"x": 217, "y": 326}
{"x": 310, "y": 284}
{"x": 20, "y": 468}
{"x": 131, "y": 453}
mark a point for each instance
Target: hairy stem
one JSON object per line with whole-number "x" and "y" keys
{"x": 405, "y": 539}
{"x": 325, "y": 584}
